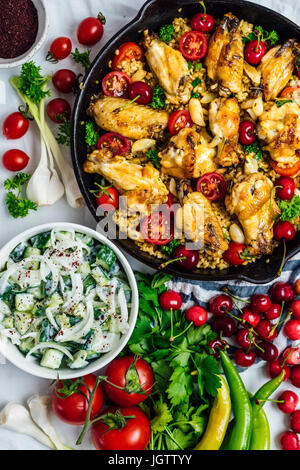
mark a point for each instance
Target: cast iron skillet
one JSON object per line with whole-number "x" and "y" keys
{"x": 152, "y": 15}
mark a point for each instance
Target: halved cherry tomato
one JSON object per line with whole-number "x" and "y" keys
{"x": 289, "y": 91}
{"x": 117, "y": 143}
{"x": 128, "y": 51}
{"x": 156, "y": 229}
{"x": 193, "y": 45}
{"x": 116, "y": 84}
{"x": 287, "y": 170}
{"x": 212, "y": 185}
{"x": 178, "y": 120}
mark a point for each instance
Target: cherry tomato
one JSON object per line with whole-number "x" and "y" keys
{"x": 233, "y": 254}
{"x": 295, "y": 376}
{"x": 72, "y": 409}
{"x": 285, "y": 188}
{"x": 193, "y": 45}
{"x": 117, "y": 143}
{"x": 282, "y": 292}
{"x": 15, "y": 126}
{"x": 273, "y": 312}
{"x": 202, "y": 22}
{"x": 224, "y": 326}
{"x": 156, "y": 229}
{"x": 292, "y": 329}
{"x": 220, "y": 304}
{"x": 116, "y": 84}
{"x": 108, "y": 199}
{"x": 275, "y": 368}
{"x": 134, "y": 375}
{"x": 212, "y": 185}
{"x": 260, "y": 303}
{"x": 295, "y": 421}
{"x": 290, "y": 91}
{"x": 244, "y": 358}
{"x": 170, "y": 299}
{"x": 58, "y": 110}
{"x": 286, "y": 170}
{"x": 265, "y": 330}
{"x": 90, "y": 30}
{"x": 255, "y": 51}
{"x": 197, "y": 315}
{"x": 15, "y": 160}
{"x": 247, "y": 132}
{"x": 178, "y": 120}
{"x": 295, "y": 308}
{"x": 191, "y": 258}
{"x": 143, "y": 90}
{"x": 250, "y": 317}
{"x": 290, "y": 400}
{"x": 284, "y": 230}
{"x": 114, "y": 432}
{"x": 292, "y": 355}
{"x": 127, "y": 52}
{"x": 297, "y": 286}
{"x": 60, "y": 48}
{"x": 64, "y": 80}
{"x": 289, "y": 441}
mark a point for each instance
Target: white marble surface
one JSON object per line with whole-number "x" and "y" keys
{"x": 64, "y": 17}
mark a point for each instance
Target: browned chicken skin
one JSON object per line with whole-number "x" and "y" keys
{"x": 132, "y": 120}
{"x": 251, "y": 201}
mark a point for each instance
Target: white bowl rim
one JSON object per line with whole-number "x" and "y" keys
{"x": 15, "y": 62}
{"x": 11, "y": 351}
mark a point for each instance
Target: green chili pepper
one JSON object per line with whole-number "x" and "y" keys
{"x": 242, "y": 409}
{"x": 266, "y": 391}
{"x": 261, "y": 436}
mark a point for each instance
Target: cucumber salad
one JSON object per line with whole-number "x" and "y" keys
{"x": 63, "y": 299}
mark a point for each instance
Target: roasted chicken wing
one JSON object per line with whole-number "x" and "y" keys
{"x": 252, "y": 202}
{"x": 277, "y": 68}
{"x": 170, "y": 68}
{"x": 280, "y": 129}
{"x": 132, "y": 120}
{"x": 200, "y": 224}
{"x": 225, "y": 56}
{"x": 224, "y": 121}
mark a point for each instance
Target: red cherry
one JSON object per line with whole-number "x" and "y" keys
{"x": 197, "y": 315}
{"x": 144, "y": 91}
{"x": 290, "y": 401}
{"x": 216, "y": 345}
{"x": 292, "y": 329}
{"x": 191, "y": 258}
{"x": 219, "y": 304}
{"x": 293, "y": 355}
{"x": 289, "y": 441}
{"x": 264, "y": 330}
{"x": 255, "y": 51}
{"x": 247, "y": 133}
{"x": 225, "y": 326}
{"x": 273, "y": 312}
{"x": 243, "y": 338}
{"x": 204, "y": 23}
{"x": 266, "y": 350}
{"x": 275, "y": 368}
{"x": 285, "y": 188}
{"x": 295, "y": 421}
{"x": 170, "y": 299}
{"x": 282, "y": 292}
{"x": 284, "y": 230}
{"x": 260, "y": 303}
{"x": 295, "y": 308}
{"x": 295, "y": 376}
{"x": 244, "y": 358}
{"x": 250, "y": 317}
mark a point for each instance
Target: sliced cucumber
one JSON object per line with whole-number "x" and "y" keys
{"x": 8, "y": 322}
{"x": 41, "y": 241}
{"x": 24, "y": 302}
{"x": 47, "y": 331}
{"x": 88, "y": 283}
{"x": 23, "y": 321}
{"x": 26, "y": 344}
{"x": 37, "y": 292}
{"x": 30, "y": 251}
{"x": 86, "y": 239}
{"x": 55, "y": 300}
{"x": 63, "y": 321}
{"x": 106, "y": 257}
{"x": 84, "y": 269}
{"x": 79, "y": 360}
{"x": 27, "y": 279}
{"x": 100, "y": 276}
{"x": 4, "y": 308}
{"x": 18, "y": 253}
{"x": 51, "y": 358}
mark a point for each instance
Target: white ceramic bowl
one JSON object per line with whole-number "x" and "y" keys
{"x": 31, "y": 365}
{"x": 39, "y": 40}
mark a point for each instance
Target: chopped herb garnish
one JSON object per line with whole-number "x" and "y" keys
{"x": 153, "y": 157}
{"x": 195, "y": 95}
{"x": 166, "y": 33}
{"x": 253, "y": 149}
{"x": 280, "y": 103}
{"x": 259, "y": 33}
{"x": 82, "y": 58}
{"x": 170, "y": 247}
{"x": 196, "y": 82}
{"x": 16, "y": 205}
{"x": 198, "y": 66}
{"x": 159, "y": 98}
{"x": 289, "y": 209}
{"x": 91, "y": 135}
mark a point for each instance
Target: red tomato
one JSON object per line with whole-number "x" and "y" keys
{"x": 156, "y": 229}
{"x": 58, "y": 110}
{"x": 90, "y": 30}
{"x": 128, "y": 51}
{"x": 178, "y": 120}
{"x": 108, "y": 199}
{"x": 15, "y": 126}
{"x": 60, "y": 48}
{"x": 134, "y": 375}
{"x": 233, "y": 254}
{"x": 116, "y": 84}
{"x": 212, "y": 185}
{"x": 289, "y": 91}
{"x": 73, "y": 409}
{"x": 114, "y": 432}
{"x": 15, "y": 160}
{"x": 286, "y": 170}
{"x": 64, "y": 80}
{"x": 117, "y": 143}
{"x": 193, "y": 45}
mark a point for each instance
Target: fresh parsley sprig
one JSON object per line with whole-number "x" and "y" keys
{"x": 63, "y": 136}
{"x": 16, "y": 205}
{"x": 159, "y": 98}
{"x": 153, "y": 157}
{"x": 91, "y": 134}
{"x": 253, "y": 149}
{"x": 262, "y": 35}
{"x": 167, "y": 32}
{"x": 82, "y": 58}
{"x": 289, "y": 209}
{"x": 32, "y": 84}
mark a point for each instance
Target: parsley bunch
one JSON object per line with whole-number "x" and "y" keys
{"x": 166, "y": 32}
{"x": 153, "y": 157}
{"x": 32, "y": 84}
{"x": 262, "y": 35}
{"x": 186, "y": 375}
{"x": 16, "y": 205}
{"x": 289, "y": 209}
{"x": 91, "y": 135}
{"x": 159, "y": 98}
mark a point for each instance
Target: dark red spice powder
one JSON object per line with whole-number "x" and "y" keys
{"x": 18, "y": 27}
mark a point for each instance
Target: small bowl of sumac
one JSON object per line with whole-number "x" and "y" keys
{"x": 23, "y": 29}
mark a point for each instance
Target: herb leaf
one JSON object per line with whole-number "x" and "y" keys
{"x": 63, "y": 136}
{"x": 253, "y": 149}
{"x": 91, "y": 135}
{"x": 31, "y": 83}
{"x": 289, "y": 209}
{"x": 159, "y": 98}
{"x": 280, "y": 103}
{"x": 166, "y": 32}
{"x": 153, "y": 157}
{"x": 17, "y": 206}
{"x": 82, "y": 58}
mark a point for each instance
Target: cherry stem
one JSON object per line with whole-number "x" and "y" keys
{"x": 170, "y": 261}
{"x": 283, "y": 259}
{"x": 182, "y": 333}
{"x": 204, "y": 11}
